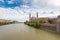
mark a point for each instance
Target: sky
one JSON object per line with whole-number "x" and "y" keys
{"x": 20, "y": 9}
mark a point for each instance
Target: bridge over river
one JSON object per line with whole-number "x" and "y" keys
{"x": 20, "y": 31}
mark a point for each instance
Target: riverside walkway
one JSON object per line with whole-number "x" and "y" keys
{"x": 20, "y": 31}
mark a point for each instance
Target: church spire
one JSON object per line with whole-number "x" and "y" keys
{"x": 29, "y": 16}
{"x": 37, "y": 15}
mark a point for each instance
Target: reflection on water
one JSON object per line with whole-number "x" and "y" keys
{"x": 23, "y": 32}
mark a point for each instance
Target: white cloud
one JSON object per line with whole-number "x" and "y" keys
{"x": 54, "y": 3}
{"x": 38, "y": 3}
{"x": 11, "y": 14}
{"x": 43, "y": 12}
{"x": 21, "y": 14}
{"x": 43, "y": 7}
{"x": 44, "y": 3}
{"x": 10, "y": 2}
{"x": 2, "y": 0}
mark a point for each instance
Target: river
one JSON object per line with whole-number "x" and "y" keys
{"x": 21, "y": 31}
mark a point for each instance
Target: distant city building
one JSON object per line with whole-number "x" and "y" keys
{"x": 33, "y": 19}
{"x": 56, "y": 20}
{"x": 43, "y": 20}
{"x": 59, "y": 16}
{"x": 5, "y": 21}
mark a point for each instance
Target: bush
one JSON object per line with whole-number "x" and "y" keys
{"x": 35, "y": 24}
{"x": 49, "y": 20}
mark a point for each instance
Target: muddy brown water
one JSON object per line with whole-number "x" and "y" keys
{"x": 21, "y": 31}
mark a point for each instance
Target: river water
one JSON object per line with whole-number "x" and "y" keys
{"x": 21, "y": 31}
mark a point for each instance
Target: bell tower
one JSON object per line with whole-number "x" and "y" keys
{"x": 37, "y": 14}
{"x": 29, "y": 16}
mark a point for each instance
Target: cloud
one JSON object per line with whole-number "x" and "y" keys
{"x": 11, "y": 14}
{"x": 45, "y": 8}
{"x": 43, "y": 3}
{"x": 55, "y": 3}
{"x": 10, "y": 2}
{"x": 35, "y": 3}
{"x": 22, "y": 14}
{"x": 2, "y": 0}
{"x": 43, "y": 12}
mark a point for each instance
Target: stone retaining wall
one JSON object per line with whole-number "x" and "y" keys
{"x": 52, "y": 27}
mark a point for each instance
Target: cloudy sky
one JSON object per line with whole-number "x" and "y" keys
{"x": 20, "y": 9}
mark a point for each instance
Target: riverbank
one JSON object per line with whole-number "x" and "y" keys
{"x": 6, "y": 23}
{"x": 45, "y": 26}
{"x": 34, "y": 24}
